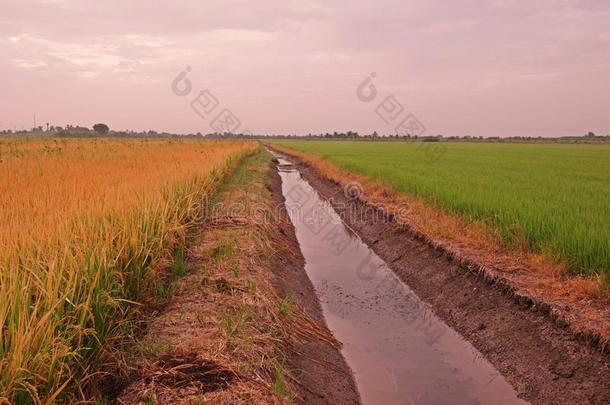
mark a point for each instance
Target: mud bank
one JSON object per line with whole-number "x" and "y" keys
{"x": 545, "y": 363}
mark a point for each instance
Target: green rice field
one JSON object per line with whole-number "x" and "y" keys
{"x": 557, "y": 195}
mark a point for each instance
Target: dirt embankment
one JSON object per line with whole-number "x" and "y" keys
{"x": 243, "y": 324}
{"x": 547, "y": 364}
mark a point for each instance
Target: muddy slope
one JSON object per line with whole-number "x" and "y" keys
{"x": 545, "y": 363}
{"x": 324, "y": 376}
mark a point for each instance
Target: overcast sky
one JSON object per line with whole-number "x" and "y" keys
{"x": 478, "y": 67}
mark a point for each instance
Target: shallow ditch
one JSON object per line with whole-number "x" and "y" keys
{"x": 398, "y": 350}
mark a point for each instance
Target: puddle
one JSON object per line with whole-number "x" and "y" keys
{"x": 399, "y": 351}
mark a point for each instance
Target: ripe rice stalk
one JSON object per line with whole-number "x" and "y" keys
{"x": 85, "y": 226}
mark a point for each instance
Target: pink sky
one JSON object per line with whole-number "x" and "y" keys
{"x": 478, "y": 67}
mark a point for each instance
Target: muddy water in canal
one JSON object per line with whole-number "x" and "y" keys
{"x": 398, "y": 350}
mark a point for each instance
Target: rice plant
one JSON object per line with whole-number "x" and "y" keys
{"x": 553, "y": 198}
{"x": 85, "y": 226}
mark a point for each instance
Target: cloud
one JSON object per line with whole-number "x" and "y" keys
{"x": 467, "y": 66}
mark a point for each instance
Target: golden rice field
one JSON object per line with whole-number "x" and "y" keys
{"x": 85, "y": 225}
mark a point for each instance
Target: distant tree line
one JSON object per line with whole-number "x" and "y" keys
{"x": 101, "y": 129}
